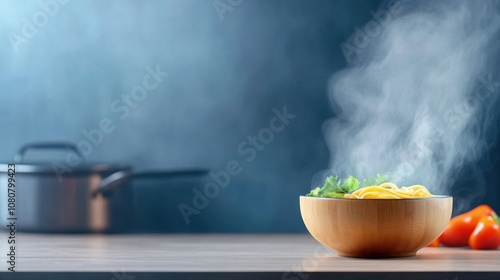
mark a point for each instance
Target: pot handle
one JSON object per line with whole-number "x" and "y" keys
{"x": 114, "y": 181}
{"x": 45, "y": 145}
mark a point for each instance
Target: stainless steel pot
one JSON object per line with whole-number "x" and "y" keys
{"x": 90, "y": 198}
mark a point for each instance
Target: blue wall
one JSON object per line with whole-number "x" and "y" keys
{"x": 225, "y": 75}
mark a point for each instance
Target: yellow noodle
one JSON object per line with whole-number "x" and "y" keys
{"x": 390, "y": 191}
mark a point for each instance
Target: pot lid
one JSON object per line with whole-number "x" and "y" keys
{"x": 58, "y": 167}
{"x": 63, "y": 169}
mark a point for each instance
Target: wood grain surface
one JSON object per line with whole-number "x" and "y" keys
{"x": 225, "y": 253}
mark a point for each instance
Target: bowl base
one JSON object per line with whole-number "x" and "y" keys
{"x": 377, "y": 256}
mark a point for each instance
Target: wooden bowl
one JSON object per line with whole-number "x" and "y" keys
{"x": 376, "y": 228}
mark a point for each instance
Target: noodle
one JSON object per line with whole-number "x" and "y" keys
{"x": 390, "y": 191}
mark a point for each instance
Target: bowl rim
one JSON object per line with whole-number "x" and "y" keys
{"x": 379, "y": 199}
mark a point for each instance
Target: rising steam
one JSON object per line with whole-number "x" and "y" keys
{"x": 417, "y": 102}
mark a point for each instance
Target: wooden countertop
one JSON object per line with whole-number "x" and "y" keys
{"x": 223, "y": 253}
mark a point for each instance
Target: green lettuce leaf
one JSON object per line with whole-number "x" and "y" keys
{"x": 351, "y": 184}
{"x": 375, "y": 181}
{"x": 333, "y": 187}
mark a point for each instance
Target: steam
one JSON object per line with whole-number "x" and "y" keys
{"x": 418, "y": 102}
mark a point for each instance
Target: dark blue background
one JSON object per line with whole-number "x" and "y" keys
{"x": 225, "y": 78}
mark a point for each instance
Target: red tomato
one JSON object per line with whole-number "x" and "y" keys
{"x": 434, "y": 243}
{"x": 460, "y": 228}
{"x": 486, "y": 236}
